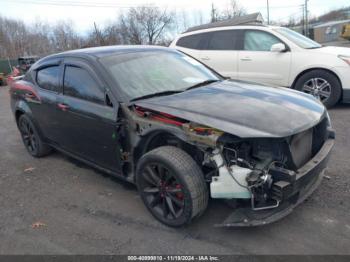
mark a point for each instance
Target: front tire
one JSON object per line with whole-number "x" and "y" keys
{"x": 321, "y": 84}
{"x": 172, "y": 186}
{"x": 31, "y": 138}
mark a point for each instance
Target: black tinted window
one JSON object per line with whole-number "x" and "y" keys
{"x": 223, "y": 40}
{"x": 47, "y": 78}
{"x": 78, "y": 83}
{"x": 191, "y": 41}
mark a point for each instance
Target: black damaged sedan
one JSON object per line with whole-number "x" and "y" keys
{"x": 178, "y": 130}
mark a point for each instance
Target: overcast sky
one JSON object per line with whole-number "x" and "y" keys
{"x": 83, "y": 13}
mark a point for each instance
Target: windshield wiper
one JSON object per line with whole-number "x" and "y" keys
{"x": 164, "y": 93}
{"x": 204, "y": 83}
{"x": 171, "y": 92}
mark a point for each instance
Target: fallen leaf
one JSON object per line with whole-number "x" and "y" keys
{"x": 29, "y": 169}
{"x": 38, "y": 224}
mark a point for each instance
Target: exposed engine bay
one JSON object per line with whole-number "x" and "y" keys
{"x": 259, "y": 171}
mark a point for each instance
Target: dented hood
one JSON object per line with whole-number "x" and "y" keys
{"x": 242, "y": 109}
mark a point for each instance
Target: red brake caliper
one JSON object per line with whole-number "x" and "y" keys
{"x": 179, "y": 195}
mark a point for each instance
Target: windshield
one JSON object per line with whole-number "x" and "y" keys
{"x": 145, "y": 73}
{"x": 297, "y": 38}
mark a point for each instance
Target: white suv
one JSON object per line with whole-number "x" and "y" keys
{"x": 274, "y": 56}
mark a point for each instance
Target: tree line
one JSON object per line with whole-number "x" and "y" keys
{"x": 140, "y": 25}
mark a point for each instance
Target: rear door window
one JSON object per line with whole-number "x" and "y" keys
{"x": 224, "y": 40}
{"x": 80, "y": 84}
{"x": 48, "y": 78}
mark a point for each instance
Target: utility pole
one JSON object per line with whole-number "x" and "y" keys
{"x": 214, "y": 16}
{"x": 306, "y": 19}
{"x": 303, "y": 20}
{"x": 268, "y": 12}
{"x": 98, "y": 35}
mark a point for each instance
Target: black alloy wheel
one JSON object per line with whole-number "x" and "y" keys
{"x": 31, "y": 138}
{"x": 171, "y": 185}
{"x": 162, "y": 192}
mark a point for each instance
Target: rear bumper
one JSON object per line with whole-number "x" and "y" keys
{"x": 308, "y": 179}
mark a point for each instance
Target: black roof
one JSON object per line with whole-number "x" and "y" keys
{"x": 93, "y": 53}
{"x": 255, "y": 18}
{"x": 102, "y": 51}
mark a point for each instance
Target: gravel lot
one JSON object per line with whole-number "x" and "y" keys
{"x": 81, "y": 211}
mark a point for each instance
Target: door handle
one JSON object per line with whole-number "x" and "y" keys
{"x": 29, "y": 95}
{"x": 205, "y": 58}
{"x": 246, "y": 59}
{"x": 63, "y": 107}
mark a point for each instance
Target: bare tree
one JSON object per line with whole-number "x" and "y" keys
{"x": 233, "y": 9}
{"x": 64, "y": 37}
{"x": 131, "y": 31}
{"x": 145, "y": 24}
{"x": 112, "y": 35}
{"x": 13, "y": 37}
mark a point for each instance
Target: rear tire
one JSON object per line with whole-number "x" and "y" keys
{"x": 31, "y": 138}
{"x": 321, "y": 84}
{"x": 172, "y": 186}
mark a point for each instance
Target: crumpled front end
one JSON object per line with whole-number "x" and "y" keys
{"x": 274, "y": 177}
{"x": 266, "y": 177}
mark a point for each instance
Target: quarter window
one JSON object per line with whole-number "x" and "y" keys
{"x": 191, "y": 41}
{"x": 259, "y": 41}
{"x": 79, "y": 83}
{"x": 48, "y": 78}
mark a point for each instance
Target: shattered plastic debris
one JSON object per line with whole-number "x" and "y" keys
{"x": 29, "y": 169}
{"x": 38, "y": 224}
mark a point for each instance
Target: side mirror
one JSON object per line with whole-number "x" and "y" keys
{"x": 279, "y": 47}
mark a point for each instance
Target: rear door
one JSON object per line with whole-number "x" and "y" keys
{"x": 221, "y": 53}
{"x": 257, "y": 63}
{"x": 48, "y": 80}
{"x": 88, "y": 117}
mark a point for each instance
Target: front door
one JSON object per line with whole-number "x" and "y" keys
{"x": 258, "y": 63}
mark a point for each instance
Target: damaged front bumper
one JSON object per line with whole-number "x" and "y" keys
{"x": 308, "y": 178}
